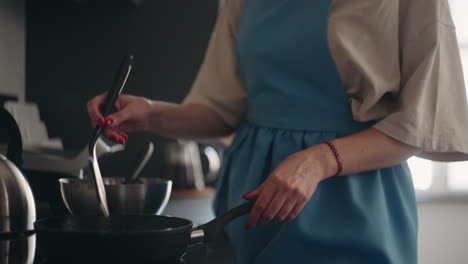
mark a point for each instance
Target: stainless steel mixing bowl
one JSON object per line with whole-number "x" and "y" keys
{"x": 149, "y": 196}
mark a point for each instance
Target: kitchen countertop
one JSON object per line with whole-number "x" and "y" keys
{"x": 193, "y": 193}
{"x": 191, "y": 204}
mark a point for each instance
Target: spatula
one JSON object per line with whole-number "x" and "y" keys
{"x": 114, "y": 92}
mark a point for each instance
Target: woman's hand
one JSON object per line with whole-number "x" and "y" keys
{"x": 131, "y": 113}
{"x": 134, "y": 113}
{"x": 290, "y": 186}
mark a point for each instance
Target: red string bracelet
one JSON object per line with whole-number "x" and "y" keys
{"x": 337, "y": 157}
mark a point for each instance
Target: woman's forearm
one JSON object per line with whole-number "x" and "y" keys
{"x": 290, "y": 186}
{"x": 364, "y": 151}
{"x": 192, "y": 121}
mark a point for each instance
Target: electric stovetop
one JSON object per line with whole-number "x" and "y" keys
{"x": 24, "y": 250}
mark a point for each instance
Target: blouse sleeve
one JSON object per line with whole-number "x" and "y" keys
{"x": 432, "y": 111}
{"x": 414, "y": 92}
{"x": 218, "y": 84}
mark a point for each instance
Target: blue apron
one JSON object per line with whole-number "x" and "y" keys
{"x": 296, "y": 100}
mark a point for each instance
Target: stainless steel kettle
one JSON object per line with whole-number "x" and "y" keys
{"x": 17, "y": 207}
{"x": 181, "y": 163}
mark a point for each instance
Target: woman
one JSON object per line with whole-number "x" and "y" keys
{"x": 328, "y": 99}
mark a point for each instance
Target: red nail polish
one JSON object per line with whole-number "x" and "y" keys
{"x": 101, "y": 122}
{"x": 125, "y": 137}
{"x": 244, "y": 196}
{"x": 115, "y": 139}
{"x": 109, "y": 121}
{"x": 121, "y": 141}
{"x": 247, "y": 227}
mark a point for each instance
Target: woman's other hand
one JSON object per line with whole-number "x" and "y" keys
{"x": 290, "y": 186}
{"x": 131, "y": 113}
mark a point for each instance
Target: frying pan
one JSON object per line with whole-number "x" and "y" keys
{"x": 125, "y": 238}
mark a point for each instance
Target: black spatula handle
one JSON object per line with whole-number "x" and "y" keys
{"x": 117, "y": 86}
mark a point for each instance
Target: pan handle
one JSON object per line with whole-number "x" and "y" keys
{"x": 210, "y": 231}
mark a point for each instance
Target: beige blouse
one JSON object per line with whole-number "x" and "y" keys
{"x": 398, "y": 60}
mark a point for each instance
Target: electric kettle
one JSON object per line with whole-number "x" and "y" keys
{"x": 17, "y": 207}
{"x": 181, "y": 163}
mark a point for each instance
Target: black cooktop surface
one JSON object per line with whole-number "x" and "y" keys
{"x": 24, "y": 250}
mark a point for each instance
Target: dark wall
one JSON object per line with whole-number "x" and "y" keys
{"x": 73, "y": 51}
